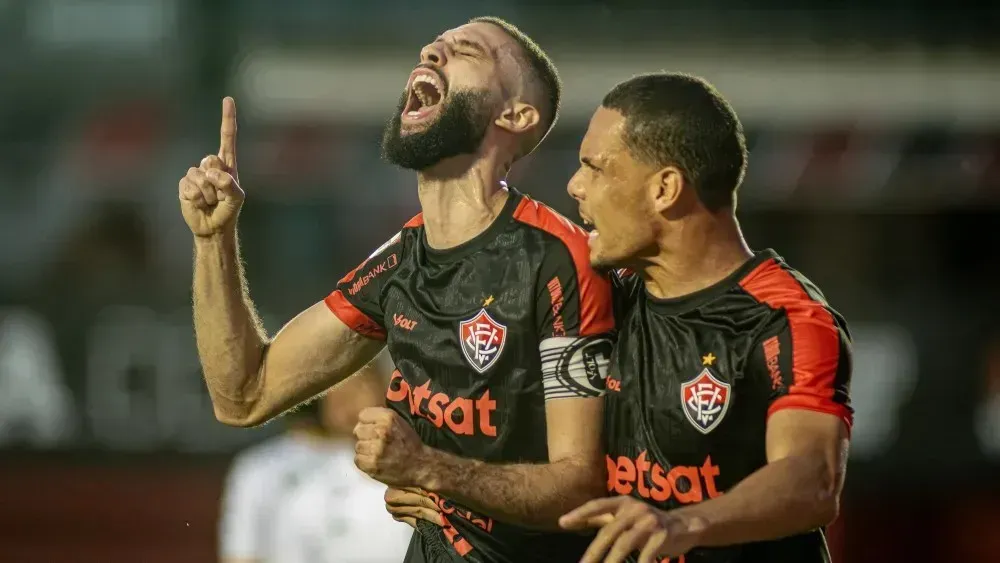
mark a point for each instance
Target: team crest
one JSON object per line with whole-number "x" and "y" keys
{"x": 705, "y": 400}
{"x": 482, "y": 340}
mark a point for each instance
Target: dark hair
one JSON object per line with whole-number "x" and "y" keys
{"x": 674, "y": 119}
{"x": 541, "y": 68}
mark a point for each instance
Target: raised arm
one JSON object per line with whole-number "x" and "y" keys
{"x": 252, "y": 378}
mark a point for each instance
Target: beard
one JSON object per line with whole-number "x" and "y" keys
{"x": 459, "y": 129}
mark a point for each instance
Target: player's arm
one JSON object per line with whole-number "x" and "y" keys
{"x": 798, "y": 490}
{"x": 807, "y": 363}
{"x": 575, "y": 320}
{"x": 250, "y": 377}
{"x": 532, "y": 495}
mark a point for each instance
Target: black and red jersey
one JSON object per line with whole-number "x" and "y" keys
{"x": 693, "y": 381}
{"x": 482, "y": 335}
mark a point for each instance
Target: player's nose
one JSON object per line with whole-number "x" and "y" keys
{"x": 433, "y": 54}
{"x": 575, "y": 188}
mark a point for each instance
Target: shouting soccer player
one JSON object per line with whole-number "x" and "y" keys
{"x": 727, "y": 410}
{"x": 497, "y": 325}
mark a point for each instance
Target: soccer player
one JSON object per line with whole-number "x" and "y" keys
{"x": 727, "y": 410}
{"x": 498, "y": 326}
{"x": 298, "y": 498}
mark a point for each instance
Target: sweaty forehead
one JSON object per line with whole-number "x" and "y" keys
{"x": 605, "y": 136}
{"x": 490, "y": 36}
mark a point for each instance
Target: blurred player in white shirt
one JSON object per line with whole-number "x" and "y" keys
{"x": 298, "y": 498}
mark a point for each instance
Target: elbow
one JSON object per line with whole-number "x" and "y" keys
{"x": 242, "y": 406}
{"x": 591, "y": 483}
{"x": 826, "y": 498}
{"x": 235, "y": 417}
{"x": 827, "y": 508}
{"x": 238, "y": 414}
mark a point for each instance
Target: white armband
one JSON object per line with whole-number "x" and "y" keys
{"x": 575, "y": 366}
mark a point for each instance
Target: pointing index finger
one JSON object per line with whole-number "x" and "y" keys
{"x": 227, "y": 133}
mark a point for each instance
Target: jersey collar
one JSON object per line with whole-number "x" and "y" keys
{"x": 479, "y": 241}
{"x": 691, "y": 301}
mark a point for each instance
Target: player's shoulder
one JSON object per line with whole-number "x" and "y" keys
{"x": 539, "y": 216}
{"x": 564, "y": 236}
{"x": 409, "y": 231}
{"x": 775, "y": 284}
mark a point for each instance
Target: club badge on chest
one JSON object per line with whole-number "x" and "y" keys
{"x": 482, "y": 339}
{"x": 705, "y": 398}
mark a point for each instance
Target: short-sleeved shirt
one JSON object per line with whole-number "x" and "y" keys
{"x": 258, "y": 481}
{"x": 693, "y": 381}
{"x": 337, "y": 514}
{"x": 482, "y": 335}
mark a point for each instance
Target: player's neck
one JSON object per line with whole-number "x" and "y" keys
{"x": 460, "y": 201}
{"x": 699, "y": 253}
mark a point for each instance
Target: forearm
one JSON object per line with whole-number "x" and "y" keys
{"x": 230, "y": 337}
{"x": 789, "y": 496}
{"x": 531, "y": 495}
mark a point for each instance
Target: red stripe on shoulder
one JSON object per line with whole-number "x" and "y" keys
{"x": 815, "y": 334}
{"x": 350, "y": 275}
{"x": 596, "y": 315}
{"x": 417, "y": 221}
{"x": 353, "y": 317}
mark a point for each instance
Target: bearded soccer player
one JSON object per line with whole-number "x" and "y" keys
{"x": 727, "y": 410}
{"x": 496, "y": 323}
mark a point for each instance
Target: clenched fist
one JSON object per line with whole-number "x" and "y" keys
{"x": 210, "y": 194}
{"x": 388, "y": 450}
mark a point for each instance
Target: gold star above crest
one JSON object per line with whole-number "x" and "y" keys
{"x": 708, "y": 359}
{"x": 488, "y": 301}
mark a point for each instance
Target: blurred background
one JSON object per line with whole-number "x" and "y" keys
{"x": 874, "y": 130}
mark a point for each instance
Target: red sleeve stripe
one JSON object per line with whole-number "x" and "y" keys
{"x": 815, "y": 334}
{"x": 416, "y": 221}
{"x": 596, "y": 315}
{"x": 353, "y": 317}
{"x": 813, "y": 403}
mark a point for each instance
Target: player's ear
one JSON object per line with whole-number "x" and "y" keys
{"x": 518, "y": 118}
{"x": 665, "y": 188}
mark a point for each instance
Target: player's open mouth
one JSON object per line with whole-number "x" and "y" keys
{"x": 589, "y": 226}
{"x": 426, "y": 91}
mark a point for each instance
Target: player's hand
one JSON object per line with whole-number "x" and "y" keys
{"x": 628, "y": 525}
{"x": 210, "y": 194}
{"x": 409, "y": 504}
{"x": 388, "y": 450}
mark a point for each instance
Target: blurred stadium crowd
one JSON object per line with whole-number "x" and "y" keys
{"x": 874, "y": 131}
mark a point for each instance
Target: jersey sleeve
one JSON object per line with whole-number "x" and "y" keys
{"x": 576, "y": 323}
{"x": 806, "y": 359}
{"x": 357, "y": 299}
{"x": 242, "y": 522}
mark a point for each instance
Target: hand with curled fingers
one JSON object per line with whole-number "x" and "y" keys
{"x": 628, "y": 525}
{"x": 387, "y": 448}
{"x": 210, "y": 194}
{"x": 409, "y": 504}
